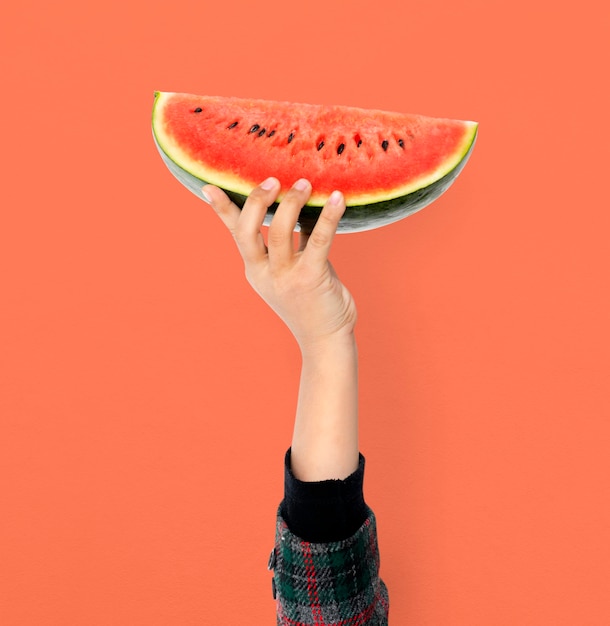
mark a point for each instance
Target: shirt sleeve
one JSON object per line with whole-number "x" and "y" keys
{"x": 324, "y": 511}
{"x": 335, "y": 581}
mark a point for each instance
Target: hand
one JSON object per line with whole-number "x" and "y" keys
{"x": 299, "y": 285}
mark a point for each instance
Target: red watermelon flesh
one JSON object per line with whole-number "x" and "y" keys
{"x": 376, "y": 158}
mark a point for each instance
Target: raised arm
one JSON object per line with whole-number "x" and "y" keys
{"x": 325, "y": 558}
{"x": 301, "y": 286}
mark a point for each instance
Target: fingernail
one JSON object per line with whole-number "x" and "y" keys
{"x": 205, "y": 196}
{"x": 335, "y": 197}
{"x": 270, "y": 183}
{"x": 301, "y": 184}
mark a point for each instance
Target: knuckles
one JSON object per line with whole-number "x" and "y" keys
{"x": 276, "y": 237}
{"x": 318, "y": 239}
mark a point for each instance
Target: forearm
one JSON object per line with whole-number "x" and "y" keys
{"x": 325, "y": 438}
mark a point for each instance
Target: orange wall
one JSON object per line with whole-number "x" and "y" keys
{"x": 147, "y": 395}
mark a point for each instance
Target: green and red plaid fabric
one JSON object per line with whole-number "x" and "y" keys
{"x": 329, "y": 584}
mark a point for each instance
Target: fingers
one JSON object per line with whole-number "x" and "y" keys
{"x": 247, "y": 232}
{"x": 227, "y": 211}
{"x": 245, "y": 224}
{"x": 279, "y": 238}
{"x": 319, "y": 241}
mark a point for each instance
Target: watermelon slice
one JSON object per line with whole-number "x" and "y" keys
{"x": 388, "y": 165}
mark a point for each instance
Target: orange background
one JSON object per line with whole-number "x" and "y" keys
{"x": 147, "y": 394}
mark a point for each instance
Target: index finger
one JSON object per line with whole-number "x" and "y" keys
{"x": 221, "y": 203}
{"x": 245, "y": 224}
{"x": 318, "y": 243}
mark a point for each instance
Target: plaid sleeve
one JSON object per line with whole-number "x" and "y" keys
{"x": 328, "y": 584}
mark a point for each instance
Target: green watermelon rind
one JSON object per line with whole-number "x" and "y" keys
{"x": 357, "y": 217}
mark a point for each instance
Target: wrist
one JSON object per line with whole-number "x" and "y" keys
{"x": 340, "y": 342}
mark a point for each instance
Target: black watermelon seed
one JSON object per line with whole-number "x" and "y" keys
{"x": 262, "y": 132}
{"x": 198, "y": 110}
{"x": 359, "y": 143}
{"x": 272, "y": 133}
{"x": 340, "y": 148}
{"x": 401, "y": 143}
{"x": 320, "y": 145}
{"x": 233, "y": 125}
{"x": 254, "y": 128}
{"x": 384, "y": 144}
{"x": 290, "y": 137}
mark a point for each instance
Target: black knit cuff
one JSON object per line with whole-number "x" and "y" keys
{"x": 321, "y": 512}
